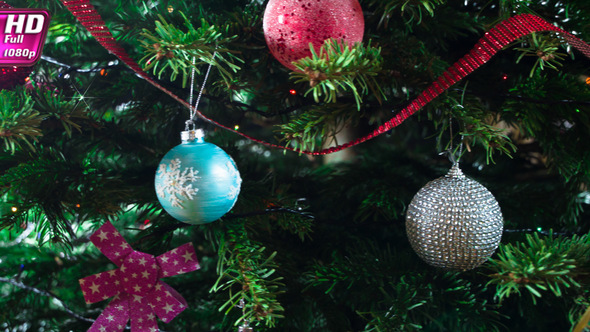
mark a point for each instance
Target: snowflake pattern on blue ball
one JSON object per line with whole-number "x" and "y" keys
{"x": 176, "y": 184}
{"x": 233, "y": 172}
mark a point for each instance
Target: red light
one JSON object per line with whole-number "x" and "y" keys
{"x": 504, "y": 77}
{"x": 293, "y": 92}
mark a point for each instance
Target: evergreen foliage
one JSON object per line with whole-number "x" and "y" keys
{"x": 540, "y": 265}
{"x": 311, "y": 244}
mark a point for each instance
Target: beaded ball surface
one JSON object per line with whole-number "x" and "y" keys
{"x": 291, "y": 25}
{"x": 454, "y": 222}
{"x": 197, "y": 182}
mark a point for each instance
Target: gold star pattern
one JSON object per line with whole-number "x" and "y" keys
{"x": 94, "y": 288}
{"x": 103, "y": 235}
{"x": 187, "y": 257}
{"x": 168, "y": 308}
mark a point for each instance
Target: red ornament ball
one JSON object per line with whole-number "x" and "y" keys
{"x": 290, "y": 25}
{"x": 13, "y": 76}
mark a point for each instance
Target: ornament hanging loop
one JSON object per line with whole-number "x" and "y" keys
{"x": 193, "y": 109}
{"x": 450, "y": 152}
{"x": 190, "y": 132}
{"x": 189, "y": 125}
{"x": 245, "y": 327}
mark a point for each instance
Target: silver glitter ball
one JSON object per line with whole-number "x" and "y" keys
{"x": 454, "y": 222}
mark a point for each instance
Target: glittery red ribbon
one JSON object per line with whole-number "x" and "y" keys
{"x": 493, "y": 41}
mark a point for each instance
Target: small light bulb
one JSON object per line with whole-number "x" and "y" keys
{"x": 14, "y": 209}
{"x": 236, "y": 127}
{"x": 293, "y": 92}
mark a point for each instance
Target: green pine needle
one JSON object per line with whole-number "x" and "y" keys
{"x": 169, "y": 48}
{"x": 339, "y": 68}
{"x": 545, "y": 48}
{"x": 412, "y": 11}
{"x": 317, "y": 127}
{"x": 539, "y": 265}
{"x": 246, "y": 273}
{"x": 19, "y": 122}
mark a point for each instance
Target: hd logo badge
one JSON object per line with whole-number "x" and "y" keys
{"x": 22, "y": 33}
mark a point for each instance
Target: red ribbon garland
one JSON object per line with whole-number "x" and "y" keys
{"x": 493, "y": 41}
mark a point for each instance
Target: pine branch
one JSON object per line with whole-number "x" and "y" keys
{"x": 170, "y": 48}
{"x": 339, "y": 68}
{"x": 42, "y": 187}
{"x": 417, "y": 302}
{"x": 560, "y": 128}
{"x": 478, "y": 126}
{"x": 317, "y": 126}
{"x": 19, "y": 122}
{"x": 244, "y": 272}
{"x": 68, "y": 112}
{"x": 544, "y": 47}
{"x": 24, "y": 170}
{"x": 412, "y": 11}
{"x": 47, "y": 294}
{"x": 540, "y": 265}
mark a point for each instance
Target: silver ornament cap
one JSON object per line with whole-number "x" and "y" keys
{"x": 454, "y": 222}
{"x": 188, "y": 136}
{"x": 245, "y": 328}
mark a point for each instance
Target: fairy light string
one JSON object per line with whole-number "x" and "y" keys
{"x": 500, "y": 36}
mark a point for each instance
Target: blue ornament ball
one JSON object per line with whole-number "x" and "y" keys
{"x": 197, "y": 182}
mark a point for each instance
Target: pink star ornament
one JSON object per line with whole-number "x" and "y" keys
{"x": 139, "y": 294}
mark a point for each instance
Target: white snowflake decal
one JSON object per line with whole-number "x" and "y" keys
{"x": 176, "y": 184}
{"x": 233, "y": 172}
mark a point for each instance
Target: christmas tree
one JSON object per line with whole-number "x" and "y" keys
{"x": 331, "y": 149}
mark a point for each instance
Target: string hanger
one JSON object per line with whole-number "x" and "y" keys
{"x": 450, "y": 152}
{"x": 193, "y": 109}
{"x": 245, "y": 327}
